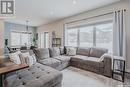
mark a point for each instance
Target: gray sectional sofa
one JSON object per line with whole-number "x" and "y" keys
{"x": 46, "y": 72}
{"x": 85, "y": 58}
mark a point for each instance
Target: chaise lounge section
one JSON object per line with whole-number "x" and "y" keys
{"x": 37, "y": 75}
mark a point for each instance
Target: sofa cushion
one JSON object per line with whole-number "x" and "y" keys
{"x": 51, "y": 62}
{"x": 37, "y": 75}
{"x": 14, "y": 57}
{"x": 54, "y": 51}
{"x": 42, "y": 53}
{"x": 86, "y": 61}
{"x": 97, "y": 52}
{"x": 63, "y": 58}
{"x": 83, "y": 51}
{"x": 85, "y": 58}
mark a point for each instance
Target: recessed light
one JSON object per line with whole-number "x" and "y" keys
{"x": 74, "y": 2}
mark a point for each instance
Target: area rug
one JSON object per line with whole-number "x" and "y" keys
{"x": 74, "y": 77}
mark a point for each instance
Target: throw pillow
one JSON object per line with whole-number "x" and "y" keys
{"x": 27, "y": 58}
{"x": 42, "y": 53}
{"x": 71, "y": 51}
{"x": 23, "y": 56}
{"x": 14, "y": 57}
{"x": 26, "y": 54}
{"x": 34, "y": 58}
{"x": 54, "y": 51}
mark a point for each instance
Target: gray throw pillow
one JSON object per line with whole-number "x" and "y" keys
{"x": 71, "y": 51}
{"x": 54, "y": 51}
{"x": 42, "y": 53}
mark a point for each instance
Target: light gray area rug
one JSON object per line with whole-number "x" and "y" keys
{"x": 74, "y": 77}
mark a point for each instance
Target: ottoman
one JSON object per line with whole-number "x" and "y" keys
{"x": 37, "y": 75}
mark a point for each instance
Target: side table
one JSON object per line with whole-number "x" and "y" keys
{"x": 119, "y": 68}
{"x": 7, "y": 68}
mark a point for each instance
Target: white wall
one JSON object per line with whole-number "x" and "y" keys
{"x": 1, "y": 37}
{"x": 58, "y": 25}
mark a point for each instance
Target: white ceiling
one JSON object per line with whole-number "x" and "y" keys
{"x": 40, "y": 12}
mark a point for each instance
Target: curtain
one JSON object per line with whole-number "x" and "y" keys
{"x": 119, "y": 34}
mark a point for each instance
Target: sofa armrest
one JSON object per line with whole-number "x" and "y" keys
{"x": 107, "y": 61}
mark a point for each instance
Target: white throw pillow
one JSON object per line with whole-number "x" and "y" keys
{"x": 29, "y": 59}
{"x": 14, "y": 57}
{"x": 71, "y": 51}
{"x": 25, "y": 54}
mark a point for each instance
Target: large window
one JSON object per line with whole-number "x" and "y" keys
{"x": 94, "y": 35}
{"x": 86, "y": 36}
{"x": 72, "y": 37}
{"x": 20, "y": 38}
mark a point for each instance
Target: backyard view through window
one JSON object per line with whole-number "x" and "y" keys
{"x": 20, "y": 38}
{"x": 94, "y": 35}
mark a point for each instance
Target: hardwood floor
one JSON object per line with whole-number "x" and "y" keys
{"x": 74, "y": 77}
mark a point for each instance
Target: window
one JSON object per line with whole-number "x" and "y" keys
{"x": 104, "y": 36}
{"x": 25, "y": 38}
{"x": 94, "y": 35}
{"x": 15, "y": 39}
{"x": 45, "y": 40}
{"x": 86, "y": 36}
{"x": 20, "y": 38}
{"x": 72, "y": 37}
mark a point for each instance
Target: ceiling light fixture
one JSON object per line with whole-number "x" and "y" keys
{"x": 74, "y": 2}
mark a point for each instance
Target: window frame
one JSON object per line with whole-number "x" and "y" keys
{"x": 78, "y": 29}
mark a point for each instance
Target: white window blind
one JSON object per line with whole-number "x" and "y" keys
{"x": 99, "y": 34}
{"x": 15, "y": 39}
{"x": 72, "y": 37}
{"x": 20, "y": 38}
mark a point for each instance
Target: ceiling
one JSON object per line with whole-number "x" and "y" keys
{"x": 39, "y": 12}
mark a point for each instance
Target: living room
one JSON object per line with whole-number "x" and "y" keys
{"x": 65, "y": 43}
